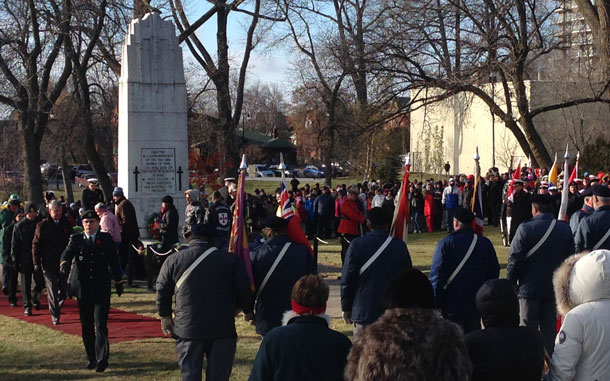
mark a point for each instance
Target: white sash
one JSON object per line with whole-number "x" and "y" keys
{"x": 601, "y": 241}
{"x": 376, "y": 255}
{"x": 542, "y": 240}
{"x": 273, "y": 266}
{"x": 188, "y": 271}
{"x": 459, "y": 267}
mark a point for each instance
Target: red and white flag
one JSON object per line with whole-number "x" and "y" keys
{"x": 400, "y": 221}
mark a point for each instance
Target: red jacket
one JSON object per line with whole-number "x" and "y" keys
{"x": 351, "y": 218}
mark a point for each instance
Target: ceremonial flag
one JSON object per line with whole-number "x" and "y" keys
{"x": 400, "y": 220}
{"x": 574, "y": 174}
{"x": 238, "y": 242}
{"x": 516, "y": 175}
{"x": 477, "y": 199}
{"x": 563, "y": 215}
{"x": 553, "y": 173}
{"x": 293, "y": 230}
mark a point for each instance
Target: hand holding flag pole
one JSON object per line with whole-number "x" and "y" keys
{"x": 477, "y": 199}
{"x": 562, "y": 216}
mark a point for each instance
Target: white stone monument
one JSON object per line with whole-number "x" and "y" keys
{"x": 153, "y": 145}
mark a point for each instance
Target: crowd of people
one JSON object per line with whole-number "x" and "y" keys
{"x": 461, "y": 322}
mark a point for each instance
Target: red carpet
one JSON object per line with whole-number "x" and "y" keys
{"x": 122, "y": 325}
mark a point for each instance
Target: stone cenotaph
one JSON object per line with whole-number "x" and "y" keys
{"x": 153, "y": 145}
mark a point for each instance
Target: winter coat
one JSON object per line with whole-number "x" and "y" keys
{"x": 6, "y": 219}
{"x": 360, "y": 294}
{"x": 452, "y": 197}
{"x": 220, "y": 218}
{"x": 534, "y": 275}
{"x": 168, "y": 227}
{"x": 95, "y": 264}
{"x": 7, "y": 236}
{"x": 592, "y": 229}
{"x": 110, "y": 224}
{"x": 91, "y": 197}
{"x": 206, "y": 302}
{"x": 351, "y": 218}
{"x": 50, "y": 240}
{"x": 582, "y": 287}
{"x": 274, "y": 299}
{"x": 21, "y": 245}
{"x": 503, "y": 351}
{"x": 409, "y": 344}
{"x": 458, "y": 299}
{"x": 194, "y": 213}
{"x": 324, "y": 206}
{"x": 520, "y": 209}
{"x": 429, "y": 205}
{"x": 304, "y": 348}
{"x": 126, "y": 214}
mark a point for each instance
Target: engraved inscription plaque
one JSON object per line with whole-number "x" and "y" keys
{"x": 158, "y": 170}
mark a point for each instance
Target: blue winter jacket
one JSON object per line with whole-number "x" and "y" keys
{"x": 534, "y": 275}
{"x": 458, "y": 299}
{"x": 361, "y": 294}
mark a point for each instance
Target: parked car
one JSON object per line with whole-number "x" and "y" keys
{"x": 81, "y": 169}
{"x": 263, "y": 171}
{"x": 81, "y": 181}
{"x": 288, "y": 172}
{"x": 313, "y": 171}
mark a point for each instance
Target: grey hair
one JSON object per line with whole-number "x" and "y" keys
{"x": 101, "y": 206}
{"x": 54, "y": 204}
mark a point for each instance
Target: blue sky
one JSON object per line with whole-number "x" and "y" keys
{"x": 265, "y": 65}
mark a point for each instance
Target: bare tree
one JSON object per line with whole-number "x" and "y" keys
{"x": 34, "y": 71}
{"x": 597, "y": 16}
{"x": 461, "y": 46}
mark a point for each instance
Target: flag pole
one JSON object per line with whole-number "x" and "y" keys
{"x": 564, "y": 192}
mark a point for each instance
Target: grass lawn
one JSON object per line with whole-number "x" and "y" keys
{"x": 34, "y": 352}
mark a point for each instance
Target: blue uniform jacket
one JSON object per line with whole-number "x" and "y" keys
{"x": 592, "y": 228}
{"x": 585, "y": 211}
{"x": 275, "y": 297}
{"x": 534, "y": 275}
{"x": 459, "y": 298}
{"x": 361, "y": 294}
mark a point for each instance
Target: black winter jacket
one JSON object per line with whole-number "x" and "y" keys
{"x": 207, "y": 301}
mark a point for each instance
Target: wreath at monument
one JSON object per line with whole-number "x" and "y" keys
{"x": 153, "y": 226}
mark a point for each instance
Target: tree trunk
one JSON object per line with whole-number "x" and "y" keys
{"x": 65, "y": 173}
{"x": 31, "y": 161}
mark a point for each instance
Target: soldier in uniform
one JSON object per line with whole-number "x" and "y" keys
{"x": 21, "y": 254}
{"x": 585, "y": 211}
{"x": 273, "y": 294}
{"x": 91, "y": 195}
{"x": 539, "y": 247}
{"x": 520, "y": 207}
{"x": 220, "y": 219}
{"x": 50, "y": 239}
{"x": 459, "y": 268}
{"x": 95, "y": 263}
{"x": 594, "y": 231}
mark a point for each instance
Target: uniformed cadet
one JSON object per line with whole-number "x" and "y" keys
{"x": 94, "y": 253}
{"x": 276, "y": 266}
{"x": 585, "y": 211}
{"x": 91, "y": 195}
{"x": 462, "y": 262}
{"x": 540, "y": 245}
{"x": 220, "y": 219}
{"x": 594, "y": 231}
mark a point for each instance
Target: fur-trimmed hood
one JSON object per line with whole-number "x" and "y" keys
{"x": 582, "y": 278}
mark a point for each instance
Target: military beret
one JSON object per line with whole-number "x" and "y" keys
{"x": 274, "y": 222}
{"x": 30, "y": 207}
{"x": 379, "y": 216}
{"x": 464, "y": 215}
{"x": 601, "y": 191}
{"x": 89, "y": 215}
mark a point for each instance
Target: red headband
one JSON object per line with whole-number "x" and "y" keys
{"x": 302, "y": 310}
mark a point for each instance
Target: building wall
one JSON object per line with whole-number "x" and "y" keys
{"x": 450, "y": 131}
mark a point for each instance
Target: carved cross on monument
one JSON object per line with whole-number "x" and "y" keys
{"x": 136, "y": 172}
{"x": 180, "y": 172}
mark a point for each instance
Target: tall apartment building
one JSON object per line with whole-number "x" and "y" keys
{"x": 575, "y": 35}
